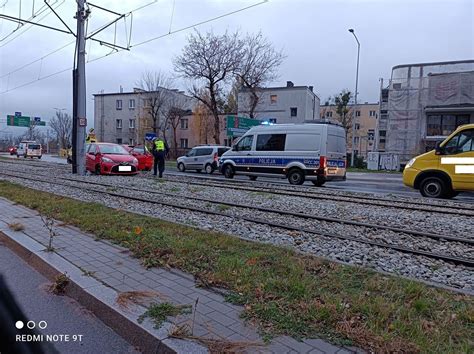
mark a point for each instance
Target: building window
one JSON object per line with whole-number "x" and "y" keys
{"x": 372, "y": 113}
{"x": 131, "y": 104}
{"x": 273, "y": 99}
{"x": 293, "y": 111}
{"x": 383, "y": 133}
{"x": 272, "y": 120}
{"x": 131, "y": 123}
{"x": 119, "y": 124}
{"x": 356, "y": 140}
{"x": 329, "y": 114}
{"x": 184, "y": 123}
{"x": 357, "y": 126}
{"x": 357, "y": 113}
{"x": 385, "y": 95}
{"x": 356, "y": 152}
{"x": 130, "y": 141}
{"x": 184, "y": 143}
{"x": 445, "y": 124}
{"x": 119, "y": 141}
{"x": 118, "y": 104}
{"x": 370, "y": 134}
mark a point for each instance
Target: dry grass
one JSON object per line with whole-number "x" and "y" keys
{"x": 125, "y": 299}
{"x": 60, "y": 284}
{"x": 214, "y": 345}
{"x": 16, "y": 226}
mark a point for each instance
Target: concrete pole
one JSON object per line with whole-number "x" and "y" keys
{"x": 354, "y": 114}
{"x": 81, "y": 121}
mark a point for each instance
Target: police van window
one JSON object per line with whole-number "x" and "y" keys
{"x": 33, "y": 146}
{"x": 336, "y": 143}
{"x": 203, "y": 152}
{"x": 271, "y": 142}
{"x": 303, "y": 142}
{"x": 245, "y": 144}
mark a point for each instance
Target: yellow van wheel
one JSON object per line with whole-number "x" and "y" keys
{"x": 433, "y": 187}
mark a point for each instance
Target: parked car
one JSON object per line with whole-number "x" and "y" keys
{"x": 106, "y": 158}
{"x": 12, "y": 150}
{"x": 202, "y": 157}
{"x": 312, "y": 151}
{"x": 144, "y": 157}
{"x": 447, "y": 170}
{"x": 28, "y": 148}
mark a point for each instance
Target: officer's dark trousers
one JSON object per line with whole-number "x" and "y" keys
{"x": 159, "y": 163}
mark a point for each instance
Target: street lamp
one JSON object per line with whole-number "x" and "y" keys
{"x": 355, "y": 97}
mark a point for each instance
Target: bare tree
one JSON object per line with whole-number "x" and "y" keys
{"x": 61, "y": 124}
{"x": 259, "y": 66}
{"x": 176, "y": 109}
{"x": 211, "y": 59}
{"x": 155, "y": 88}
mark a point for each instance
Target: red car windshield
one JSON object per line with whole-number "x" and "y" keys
{"x": 112, "y": 149}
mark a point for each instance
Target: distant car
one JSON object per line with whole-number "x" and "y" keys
{"x": 110, "y": 159}
{"x": 12, "y": 150}
{"x": 202, "y": 157}
{"x": 28, "y": 148}
{"x": 144, "y": 157}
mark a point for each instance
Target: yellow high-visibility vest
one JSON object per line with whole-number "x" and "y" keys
{"x": 159, "y": 145}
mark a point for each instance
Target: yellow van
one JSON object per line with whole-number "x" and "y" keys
{"x": 447, "y": 170}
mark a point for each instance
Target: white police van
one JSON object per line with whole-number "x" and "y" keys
{"x": 299, "y": 152}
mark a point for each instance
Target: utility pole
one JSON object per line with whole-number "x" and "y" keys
{"x": 354, "y": 114}
{"x": 79, "y": 92}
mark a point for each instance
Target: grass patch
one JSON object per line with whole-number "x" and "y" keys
{"x": 175, "y": 189}
{"x": 60, "y": 284}
{"x": 222, "y": 207}
{"x": 158, "y": 313}
{"x": 280, "y": 290}
{"x": 16, "y": 226}
{"x": 364, "y": 170}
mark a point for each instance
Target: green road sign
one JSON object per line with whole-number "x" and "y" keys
{"x": 18, "y": 121}
{"x": 237, "y": 126}
{"x": 22, "y": 121}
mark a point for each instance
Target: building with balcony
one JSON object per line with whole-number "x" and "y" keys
{"x": 422, "y": 105}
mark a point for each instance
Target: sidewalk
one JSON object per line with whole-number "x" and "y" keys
{"x": 99, "y": 261}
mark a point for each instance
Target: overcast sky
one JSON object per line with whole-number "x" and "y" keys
{"x": 312, "y": 33}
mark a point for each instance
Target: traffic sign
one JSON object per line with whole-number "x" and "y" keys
{"x": 37, "y": 119}
{"x": 237, "y": 126}
{"x": 150, "y": 136}
{"x": 18, "y": 121}
{"x": 18, "y": 114}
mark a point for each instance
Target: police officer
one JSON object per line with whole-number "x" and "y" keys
{"x": 160, "y": 149}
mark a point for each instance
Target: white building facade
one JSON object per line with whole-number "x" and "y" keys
{"x": 290, "y": 104}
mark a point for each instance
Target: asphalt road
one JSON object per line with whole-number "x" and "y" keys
{"x": 62, "y": 314}
{"x": 364, "y": 182}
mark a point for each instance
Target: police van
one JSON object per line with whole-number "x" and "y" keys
{"x": 299, "y": 152}
{"x": 29, "y": 148}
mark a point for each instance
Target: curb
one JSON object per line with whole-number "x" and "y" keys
{"x": 98, "y": 298}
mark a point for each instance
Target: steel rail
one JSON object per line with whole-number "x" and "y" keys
{"x": 446, "y": 258}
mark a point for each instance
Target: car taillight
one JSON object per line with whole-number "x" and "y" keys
{"x": 322, "y": 162}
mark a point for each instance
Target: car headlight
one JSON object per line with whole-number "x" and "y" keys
{"x": 106, "y": 159}
{"x": 410, "y": 163}
{"x": 135, "y": 161}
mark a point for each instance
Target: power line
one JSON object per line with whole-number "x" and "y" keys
{"x": 135, "y": 45}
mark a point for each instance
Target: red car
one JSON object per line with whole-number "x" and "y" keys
{"x": 110, "y": 159}
{"x": 144, "y": 157}
{"x": 12, "y": 150}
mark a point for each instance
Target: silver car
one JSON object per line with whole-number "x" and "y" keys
{"x": 202, "y": 157}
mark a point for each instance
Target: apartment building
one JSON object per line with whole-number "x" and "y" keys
{"x": 124, "y": 117}
{"x": 288, "y": 104}
{"x": 422, "y": 104}
{"x": 366, "y": 116}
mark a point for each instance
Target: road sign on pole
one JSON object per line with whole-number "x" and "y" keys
{"x": 237, "y": 126}
{"x": 150, "y": 136}
{"x": 17, "y": 114}
{"x": 37, "y": 119}
{"x": 18, "y": 121}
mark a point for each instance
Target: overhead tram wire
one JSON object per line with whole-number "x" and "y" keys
{"x": 143, "y": 42}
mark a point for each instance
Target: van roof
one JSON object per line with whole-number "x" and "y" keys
{"x": 295, "y": 127}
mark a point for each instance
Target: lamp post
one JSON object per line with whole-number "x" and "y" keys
{"x": 355, "y": 98}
